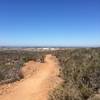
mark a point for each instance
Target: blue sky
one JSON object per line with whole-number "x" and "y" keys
{"x": 50, "y": 22}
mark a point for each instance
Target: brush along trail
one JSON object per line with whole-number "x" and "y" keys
{"x": 39, "y": 79}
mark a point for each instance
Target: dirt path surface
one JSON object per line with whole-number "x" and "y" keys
{"x": 39, "y": 80}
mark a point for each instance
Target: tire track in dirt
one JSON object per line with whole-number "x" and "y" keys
{"x": 39, "y": 80}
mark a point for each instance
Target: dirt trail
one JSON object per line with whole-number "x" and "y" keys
{"x": 39, "y": 80}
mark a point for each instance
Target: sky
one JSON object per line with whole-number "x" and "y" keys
{"x": 49, "y": 22}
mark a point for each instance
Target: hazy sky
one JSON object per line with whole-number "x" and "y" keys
{"x": 50, "y": 22}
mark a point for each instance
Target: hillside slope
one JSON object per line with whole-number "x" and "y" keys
{"x": 39, "y": 80}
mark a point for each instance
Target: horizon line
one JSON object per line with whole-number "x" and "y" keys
{"x": 12, "y": 46}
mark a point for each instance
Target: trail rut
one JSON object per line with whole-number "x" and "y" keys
{"x": 39, "y": 80}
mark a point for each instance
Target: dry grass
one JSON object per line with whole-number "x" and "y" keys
{"x": 80, "y": 68}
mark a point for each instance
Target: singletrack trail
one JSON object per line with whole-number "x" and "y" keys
{"x": 39, "y": 80}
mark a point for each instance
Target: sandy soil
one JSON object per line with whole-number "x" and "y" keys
{"x": 39, "y": 80}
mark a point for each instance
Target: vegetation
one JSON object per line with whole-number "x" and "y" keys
{"x": 80, "y": 70}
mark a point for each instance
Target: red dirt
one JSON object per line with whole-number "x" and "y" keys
{"x": 39, "y": 80}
